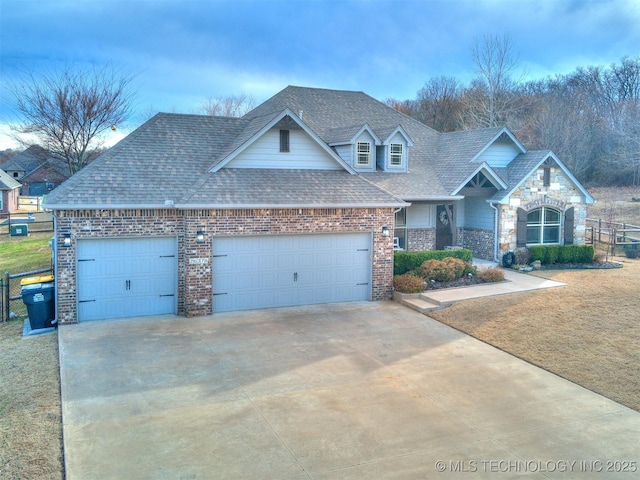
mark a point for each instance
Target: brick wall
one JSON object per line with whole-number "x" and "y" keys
{"x": 195, "y": 280}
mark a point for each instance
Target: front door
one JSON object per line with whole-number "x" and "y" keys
{"x": 444, "y": 226}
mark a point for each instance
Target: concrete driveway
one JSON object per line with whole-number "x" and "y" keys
{"x": 344, "y": 391}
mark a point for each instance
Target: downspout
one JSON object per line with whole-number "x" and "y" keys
{"x": 54, "y": 249}
{"x": 394, "y": 225}
{"x": 496, "y": 216}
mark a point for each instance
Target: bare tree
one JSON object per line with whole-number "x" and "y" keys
{"x": 439, "y": 104}
{"x": 230, "y": 106}
{"x": 403, "y": 106}
{"x": 622, "y": 83}
{"x": 490, "y": 99}
{"x": 67, "y": 110}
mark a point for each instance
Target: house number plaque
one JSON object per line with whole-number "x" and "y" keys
{"x": 198, "y": 261}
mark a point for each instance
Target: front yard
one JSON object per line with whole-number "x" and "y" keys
{"x": 587, "y": 332}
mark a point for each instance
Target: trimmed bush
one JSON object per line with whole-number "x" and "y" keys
{"x": 404, "y": 262}
{"x": 491, "y": 274}
{"x": 550, "y": 254}
{"x": 437, "y": 270}
{"x": 456, "y": 265}
{"x": 469, "y": 268}
{"x": 408, "y": 283}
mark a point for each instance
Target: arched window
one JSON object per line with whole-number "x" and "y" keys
{"x": 543, "y": 226}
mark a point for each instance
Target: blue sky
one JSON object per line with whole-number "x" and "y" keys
{"x": 182, "y": 51}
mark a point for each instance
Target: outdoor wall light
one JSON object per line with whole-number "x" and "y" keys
{"x": 66, "y": 241}
{"x": 199, "y": 236}
{"x": 385, "y": 231}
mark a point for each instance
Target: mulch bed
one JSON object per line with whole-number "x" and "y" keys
{"x": 460, "y": 282}
{"x": 475, "y": 280}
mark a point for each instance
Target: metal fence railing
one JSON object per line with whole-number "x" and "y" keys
{"x": 612, "y": 235}
{"x": 11, "y": 302}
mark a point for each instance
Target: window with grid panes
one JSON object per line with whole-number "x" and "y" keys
{"x": 395, "y": 152}
{"x": 363, "y": 154}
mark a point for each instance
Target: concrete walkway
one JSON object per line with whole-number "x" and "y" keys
{"x": 515, "y": 282}
{"x": 343, "y": 391}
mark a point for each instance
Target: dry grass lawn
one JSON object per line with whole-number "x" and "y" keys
{"x": 30, "y": 411}
{"x": 587, "y": 332}
{"x": 616, "y": 204}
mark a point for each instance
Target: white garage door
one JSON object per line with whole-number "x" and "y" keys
{"x": 278, "y": 271}
{"x": 126, "y": 277}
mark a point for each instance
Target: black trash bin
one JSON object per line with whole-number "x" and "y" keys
{"x": 38, "y": 296}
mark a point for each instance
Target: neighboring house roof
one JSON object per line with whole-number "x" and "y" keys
{"x": 36, "y": 164}
{"x": 7, "y": 182}
{"x": 187, "y": 159}
{"x": 26, "y": 161}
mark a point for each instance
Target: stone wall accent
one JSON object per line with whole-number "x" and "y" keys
{"x": 421, "y": 239}
{"x": 480, "y": 242}
{"x": 195, "y": 280}
{"x": 561, "y": 194}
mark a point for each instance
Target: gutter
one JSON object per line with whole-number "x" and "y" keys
{"x": 435, "y": 198}
{"x": 54, "y": 249}
{"x": 227, "y": 206}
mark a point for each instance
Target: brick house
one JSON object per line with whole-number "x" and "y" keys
{"x": 36, "y": 170}
{"x": 303, "y": 200}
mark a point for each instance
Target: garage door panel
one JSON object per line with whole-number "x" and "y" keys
{"x": 265, "y": 272}
{"x": 126, "y": 277}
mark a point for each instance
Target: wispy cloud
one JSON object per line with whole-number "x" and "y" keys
{"x": 183, "y": 51}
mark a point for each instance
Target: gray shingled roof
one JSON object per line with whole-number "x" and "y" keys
{"x": 32, "y": 160}
{"x": 27, "y": 160}
{"x": 455, "y": 152}
{"x": 246, "y": 188}
{"x": 170, "y": 157}
{"x": 519, "y": 168}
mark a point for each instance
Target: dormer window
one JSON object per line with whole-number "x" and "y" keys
{"x": 363, "y": 154}
{"x": 284, "y": 141}
{"x": 395, "y": 154}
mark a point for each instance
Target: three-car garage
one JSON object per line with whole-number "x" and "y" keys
{"x": 128, "y": 277}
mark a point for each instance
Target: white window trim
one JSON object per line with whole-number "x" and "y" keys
{"x": 393, "y": 155}
{"x": 400, "y": 230}
{"x": 542, "y": 225}
{"x": 363, "y": 153}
